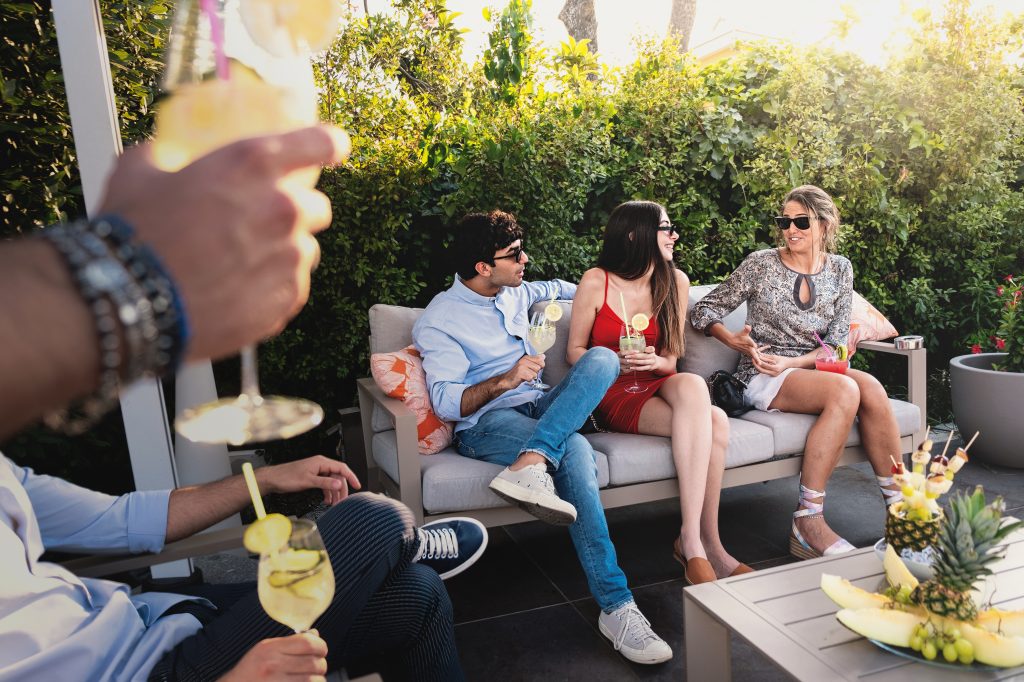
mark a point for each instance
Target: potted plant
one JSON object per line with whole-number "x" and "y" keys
{"x": 988, "y": 388}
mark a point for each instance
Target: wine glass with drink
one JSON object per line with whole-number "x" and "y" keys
{"x": 632, "y": 341}
{"x": 295, "y": 583}
{"x": 541, "y": 336}
{"x": 237, "y": 69}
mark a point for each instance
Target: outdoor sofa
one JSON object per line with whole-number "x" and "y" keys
{"x": 631, "y": 468}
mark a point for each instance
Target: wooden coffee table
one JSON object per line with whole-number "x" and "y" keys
{"x": 783, "y": 613}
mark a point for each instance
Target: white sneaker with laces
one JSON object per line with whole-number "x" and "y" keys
{"x": 632, "y": 636}
{"x": 533, "y": 490}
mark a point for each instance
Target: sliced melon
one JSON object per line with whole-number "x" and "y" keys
{"x": 1009, "y": 623}
{"x": 994, "y": 649}
{"x": 886, "y": 625}
{"x": 896, "y": 572}
{"x": 846, "y": 595}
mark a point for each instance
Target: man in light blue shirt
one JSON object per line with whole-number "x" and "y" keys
{"x": 57, "y": 626}
{"x": 478, "y": 362}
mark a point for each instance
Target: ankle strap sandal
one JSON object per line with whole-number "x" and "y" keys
{"x": 891, "y": 496}
{"x": 798, "y": 546}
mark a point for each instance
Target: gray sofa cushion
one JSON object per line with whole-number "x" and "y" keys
{"x": 452, "y": 482}
{"x": 391, "y": 327}
{"x": 791, "y": 429}
{"x": 705, "y": 354}
{"x": 635, "y": 459}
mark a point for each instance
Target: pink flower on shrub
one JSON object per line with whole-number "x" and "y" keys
{"x": 1009, "y": 278}
{"x": 1000, "y": 344}
{"x": 999, "y": 290}
{"x": 975, "y": 349}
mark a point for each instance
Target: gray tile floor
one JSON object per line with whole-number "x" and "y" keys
{"x": 524, "y": 611}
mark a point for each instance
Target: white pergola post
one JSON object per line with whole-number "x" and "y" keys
{"x": 86, "y": 66}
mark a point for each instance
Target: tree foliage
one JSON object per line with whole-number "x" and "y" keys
{"x": 923, "y": 157}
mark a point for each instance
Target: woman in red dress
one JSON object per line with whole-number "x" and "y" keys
{"x": 635, "y": 267}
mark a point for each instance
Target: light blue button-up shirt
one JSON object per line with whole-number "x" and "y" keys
{"x": 57, "y": 626}
{"x": 465, "y": 338}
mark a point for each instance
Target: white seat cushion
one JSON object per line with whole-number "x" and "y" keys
{"x": 791, "y": 429}
{"x": 452, "y": 482}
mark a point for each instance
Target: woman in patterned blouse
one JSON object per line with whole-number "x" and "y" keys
{"x": 792, "y": 293}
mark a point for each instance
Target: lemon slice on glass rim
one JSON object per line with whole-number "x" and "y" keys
{"x": 553, "y": 312}
{"x": 291, "y": 27}
{"x": 296, "y": 561}
{"x": 841, "y": 352}
{"x": 640, "y": 322}
{"x": 268, "y": 534}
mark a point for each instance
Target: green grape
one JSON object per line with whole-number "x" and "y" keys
{"x": 964, "y": 647}
{"x": 967, "y": 659}
{"x": 929, "y": 651}
{"x": 949, "y": 653}
{"x": 916, "y": 642}
{"x": 954, "y": 633}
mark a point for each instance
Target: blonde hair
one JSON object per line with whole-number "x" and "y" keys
{"x": 819, "y": 204}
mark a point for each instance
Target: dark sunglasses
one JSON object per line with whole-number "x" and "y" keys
{"x": 668, "y": 227}
{"x": 515, "y": 254}
{"x": 802, "y": 222}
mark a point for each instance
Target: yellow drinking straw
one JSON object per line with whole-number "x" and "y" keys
{"x": 254, "y": 490}
{"x": 625, "y": 319}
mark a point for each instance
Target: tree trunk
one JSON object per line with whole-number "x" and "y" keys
{"x": 681, "y": 21}
{"x": 581, "y": 21}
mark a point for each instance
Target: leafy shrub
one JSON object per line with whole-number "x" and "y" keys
{"x": 923, "y": 157}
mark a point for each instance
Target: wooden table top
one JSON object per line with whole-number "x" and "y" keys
{"x": 783, "y": 613}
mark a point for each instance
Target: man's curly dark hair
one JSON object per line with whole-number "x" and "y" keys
{"x": 478, "y": 236}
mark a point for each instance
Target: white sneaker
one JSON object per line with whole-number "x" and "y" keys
{"x": 632, "y": 636}
{"x": 532, "y": 490}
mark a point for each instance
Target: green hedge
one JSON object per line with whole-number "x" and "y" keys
{"x": 923, "y": 157}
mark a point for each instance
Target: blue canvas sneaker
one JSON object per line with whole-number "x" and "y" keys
{"x": 450, "y": 546}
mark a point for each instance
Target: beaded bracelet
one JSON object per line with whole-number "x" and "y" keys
{"x": 134, "y": 309}
{"x": 92, "y": 278}
{"x": 137, "y": 310}
{"x": 150, "y": 272}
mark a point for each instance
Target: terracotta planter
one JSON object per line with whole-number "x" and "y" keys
{"x": 991, "y": 403}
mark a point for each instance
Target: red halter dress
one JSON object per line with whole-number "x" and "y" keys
{"x": 619, "y": 410}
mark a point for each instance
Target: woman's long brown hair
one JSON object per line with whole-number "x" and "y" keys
{"x": 630, "y": 249}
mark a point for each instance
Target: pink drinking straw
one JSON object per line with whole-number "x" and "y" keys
{"x": 831, "y": 353}
{"x": 217, "y": 35}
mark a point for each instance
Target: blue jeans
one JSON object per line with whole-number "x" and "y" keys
{"x": 549, "y": 427}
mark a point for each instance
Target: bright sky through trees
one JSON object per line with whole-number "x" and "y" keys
{"x": 878, "y": 24}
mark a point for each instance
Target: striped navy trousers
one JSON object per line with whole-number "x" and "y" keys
{"x": 388, "y": 615}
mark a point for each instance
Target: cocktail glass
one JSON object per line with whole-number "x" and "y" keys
{"x": 826, "y": 361}
{"x": 223, "y": 87}
{"x": 295, "y": 584}
{"x": 541, "y": 336}
{"x": 631, "y": 340}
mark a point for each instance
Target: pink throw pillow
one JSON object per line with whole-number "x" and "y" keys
{"x": 867, "y": 324}
{"x": 400, "y": 375}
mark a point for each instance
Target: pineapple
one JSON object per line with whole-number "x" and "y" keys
{"x": 967, "y": 543}
{"x": 901, "y": 531}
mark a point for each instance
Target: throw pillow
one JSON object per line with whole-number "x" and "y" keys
{"x": 400, "y": 375}
{"x": 867, "y": 324}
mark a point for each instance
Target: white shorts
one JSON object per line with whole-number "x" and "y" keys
{"x": 762, "y": 389}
